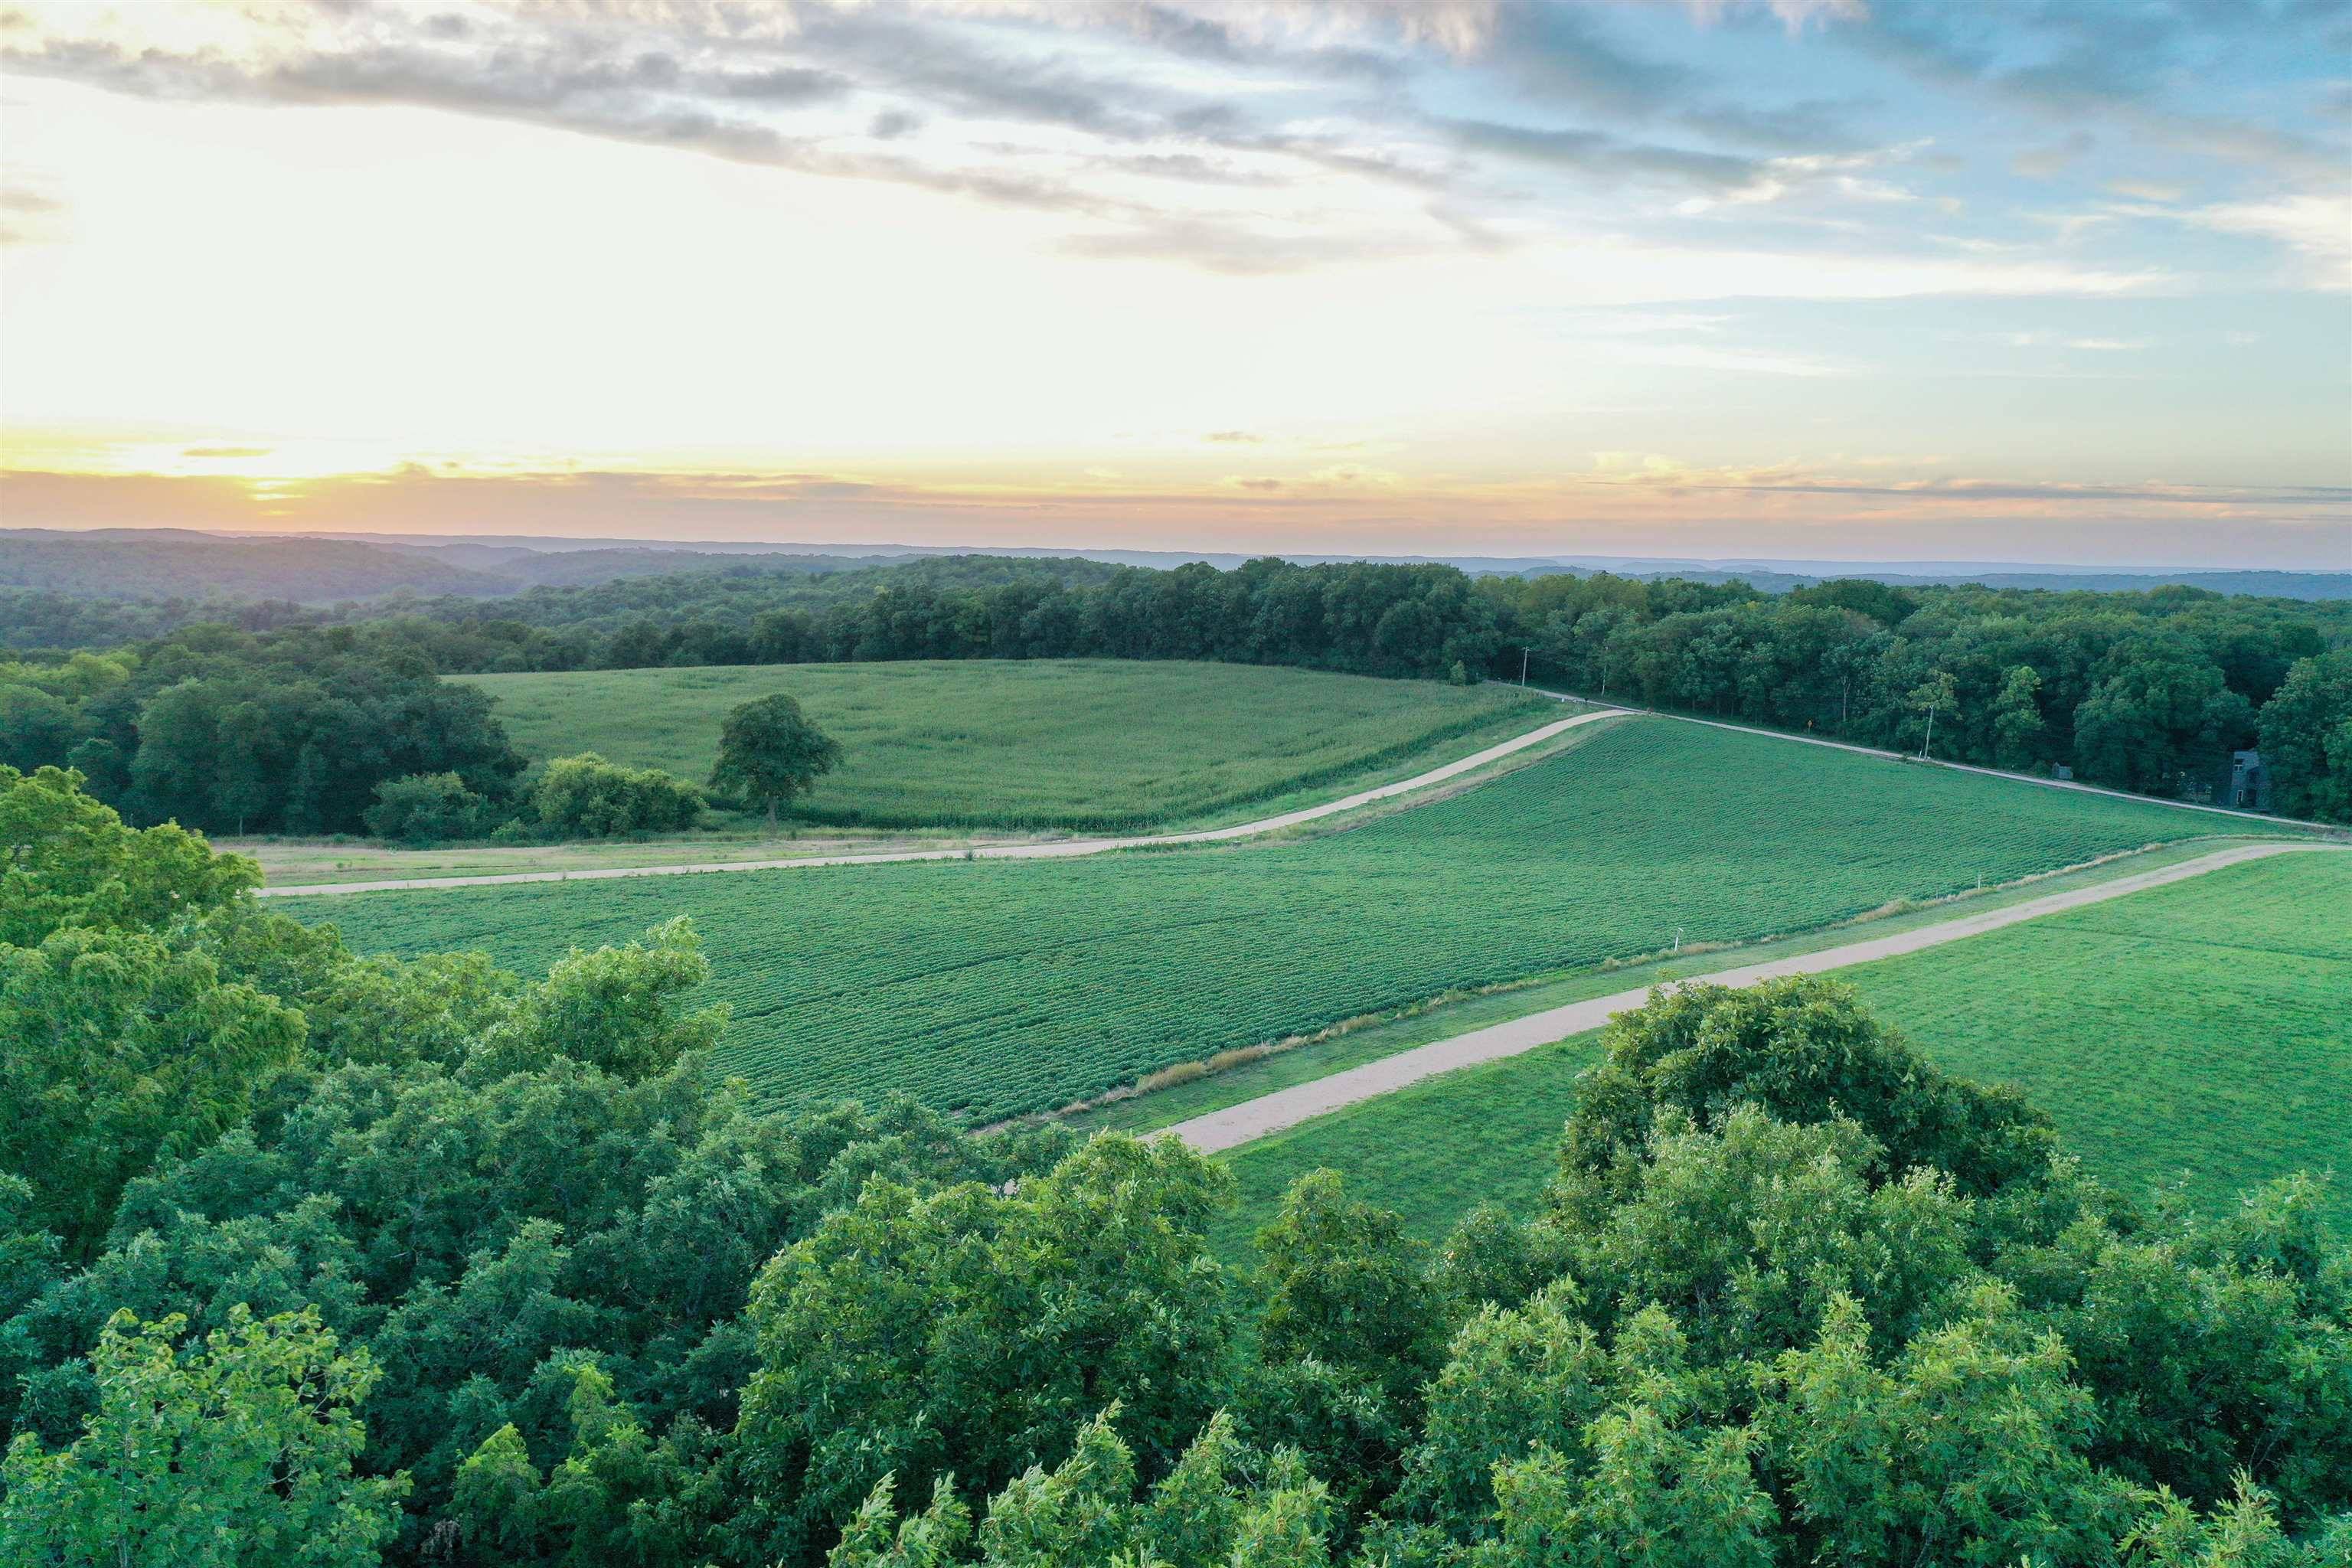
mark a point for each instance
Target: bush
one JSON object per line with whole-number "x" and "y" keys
{"x": 427, "y": 808}
{"x": 586, "y": 796}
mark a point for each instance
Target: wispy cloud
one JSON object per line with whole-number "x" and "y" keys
{"x": 2317, "y": 228}
{"x": 1738, "y": 362}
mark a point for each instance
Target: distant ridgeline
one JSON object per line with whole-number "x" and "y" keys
{"x": 2151, "y": 691}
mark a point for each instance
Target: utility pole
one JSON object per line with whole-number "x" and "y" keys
{"x": 1523, "y": 665}
{"x": 1929, "y": 738}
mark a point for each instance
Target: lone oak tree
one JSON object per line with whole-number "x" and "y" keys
{"x": 768, "y": 750}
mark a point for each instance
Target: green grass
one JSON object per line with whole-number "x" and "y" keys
{"x": 1091, "y": 744}
{"x": 999, "y": 987}
{"x": 2199, "y": 1034}
{"x": 1432, "y": 1150}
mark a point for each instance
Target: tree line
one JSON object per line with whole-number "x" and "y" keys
{"x": 322, "y": 1259}
{"x": 2144, "y": 691}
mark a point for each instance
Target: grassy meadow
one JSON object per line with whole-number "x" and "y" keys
{"x": 996, "y": 988}
{"x": 1090, "y": 744}
{"x": 2199, "y": 1034}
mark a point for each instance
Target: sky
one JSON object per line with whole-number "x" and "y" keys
{"x": 1876, "y": 280}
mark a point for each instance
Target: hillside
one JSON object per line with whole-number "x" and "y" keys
{"x": 1008, "y": 986}
{"x": 159, "y": 564}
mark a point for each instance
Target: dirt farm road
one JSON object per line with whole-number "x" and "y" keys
{"x": 1255, "y": 1119}
{"x": 1056, "y": 850}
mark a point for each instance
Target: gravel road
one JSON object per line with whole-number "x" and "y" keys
{"x": 1053, "y": 852}
{"x": 1253, "y": 1118}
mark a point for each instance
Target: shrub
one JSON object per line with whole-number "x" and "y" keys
{"x": 427, "y": 808}
{"x": 589, "y": 797}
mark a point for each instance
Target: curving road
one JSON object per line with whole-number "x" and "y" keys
{"x": 1068, "y": 846}
{"x": 1255, "y": 1119}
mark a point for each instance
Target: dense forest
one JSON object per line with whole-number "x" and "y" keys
{"x": 2149, "y": 692}
{"x": 313, "y": 1258}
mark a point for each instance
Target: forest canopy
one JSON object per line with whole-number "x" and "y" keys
{"x": 313, "y": 1257}
{"x": 2146, "y": 692}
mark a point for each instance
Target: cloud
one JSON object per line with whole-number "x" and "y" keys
{"x": 1560, "y": 55}
{"x": 1235, "y": 438}
{"x": 2146, "y": 191}
{"x": 2317, "y": 228}
{"x": 2120, "y": 63}
{"x": 1235, "y": 248}
{"x": 1241, "y": 138}
{"x": 2092, "y": 345}
{"x": 227, "y": 451}
{"x": 1813, "y": 124}
{"x": 1693, "y": 356}
{"x": 28, "y": 216}
{"x": 1599, "y": 152}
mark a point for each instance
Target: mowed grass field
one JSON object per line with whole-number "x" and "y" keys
{"x": 1091, "y": 744}
{"x": 999, "y": 987}
{"x": 2197, "y": 1034}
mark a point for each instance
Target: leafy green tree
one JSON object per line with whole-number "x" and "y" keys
{"x": 68, "y": 859}
{"x": 1971, "y": 1446}
{"x": 495, "y": 1499}
{"x": 2017, "y": 723}
{"x": 116, "y": 1047}
{"x": 37, "y": 728}
{"x": 2160, "y": 712}
{"x": 1214, "y": 1509}
{"x": 1347, "y": 1286}
{"x": 1747, "y": 1230}
{"x": 1533, "y": 1376}
{"x": 238, "y": 1455}
{"x": 2242, "y": 1532}
{"x": 2306, "y": 739}
{"x": 972, "y": 1332}
{"x": 1804, "y": 1051}
{"x": 769, "y": 751}
{"x": 615, "y": 1009}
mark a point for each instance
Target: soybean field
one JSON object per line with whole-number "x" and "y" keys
{"x": 995, "y": 988}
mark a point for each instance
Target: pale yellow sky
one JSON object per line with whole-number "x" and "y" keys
{"x": 292, "y": 287}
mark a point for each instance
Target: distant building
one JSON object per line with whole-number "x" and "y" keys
{"x": 2249, "y": 786}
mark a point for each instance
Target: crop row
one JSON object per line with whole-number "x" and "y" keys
{"x": 1001, "y": 987}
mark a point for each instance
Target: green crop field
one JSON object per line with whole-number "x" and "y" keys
{"x": 2200, "y": 1033}
{"x": 1096, "y": 744}
{"x": 998, "y": 987}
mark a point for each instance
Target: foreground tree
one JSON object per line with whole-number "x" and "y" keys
{"x": 1793, "y": 1296}
{"x": 234, "y": 1454}
{"x": 769, "y": 751}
